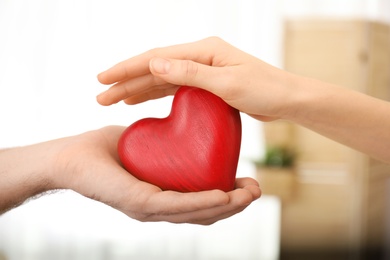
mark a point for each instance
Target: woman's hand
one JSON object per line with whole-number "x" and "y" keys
{"x": 242, "y": 80}
{"x": 255, "y": 88}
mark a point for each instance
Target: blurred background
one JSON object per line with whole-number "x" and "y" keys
{"x": 321, "y": 200}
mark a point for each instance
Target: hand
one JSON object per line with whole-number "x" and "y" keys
{"x": 256, "y": 88}
{"x": 88, "y": 164}
{"x": 243, "y": 81}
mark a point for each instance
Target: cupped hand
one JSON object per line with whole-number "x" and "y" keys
{"x": 88, "y": 164}
{"x": 243, "y": 81}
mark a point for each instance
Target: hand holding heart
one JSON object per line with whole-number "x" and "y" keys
{"x": 195, "y": 148}
{"x": 94, "y": 171}
{"x": 88, "y": 164}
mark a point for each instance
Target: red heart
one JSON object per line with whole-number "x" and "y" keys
{"x": 195, "y": 148}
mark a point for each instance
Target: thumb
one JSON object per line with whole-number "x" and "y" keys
{"x": 186, "y": 73}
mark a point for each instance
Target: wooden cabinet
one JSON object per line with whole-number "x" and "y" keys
{"x": 339, "y": 203}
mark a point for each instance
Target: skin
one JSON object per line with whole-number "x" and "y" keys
{"x": 88, "y": 164}
{"x": 256, "y": 88}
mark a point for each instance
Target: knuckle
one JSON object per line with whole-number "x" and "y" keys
{"x": 190, "y": 69}
{"x": 154, "y": 52}
{"x": 214, "y": 40}
{"x": 208, "y": 223}
{"x": 141, "y": 217}
{"x": 138, "y": 212}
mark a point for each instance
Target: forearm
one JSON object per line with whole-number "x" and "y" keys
{"x": 23, "y": 174}
{"x": 349, "y": 117}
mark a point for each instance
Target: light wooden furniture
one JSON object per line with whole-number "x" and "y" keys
{"x": 340, "y": 200}
{"x": 280, "y": 182}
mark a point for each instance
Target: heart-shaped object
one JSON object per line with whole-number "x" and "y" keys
{"x": 195, "y": 148}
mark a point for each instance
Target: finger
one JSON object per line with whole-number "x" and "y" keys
{"x": 245, "y": 181}
{"x": 133, "y": 67}
{"x": 139, "y": 65}
{"x": 249, "y": 193}
{"x": 223, "y": 216}
{"x": 249, "y": 184}
{"x": 201, "y": 217}
{"x": 191, "y": 73}
{"x": 246, "y": 191}
{"x": 238, "y": 200}
{"x": 162, "y": 91}
{"x": 128, "y": 88}
{"x": 263, "y": 118}
{"x": 170, "y": 203}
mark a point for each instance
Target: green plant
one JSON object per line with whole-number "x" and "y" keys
{"x": 282, "y": 157}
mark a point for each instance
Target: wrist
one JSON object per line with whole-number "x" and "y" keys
{"x": 44, "y": 164}
{"x": 61, "y": 167}
{"x": 37, "y": 166}
{"x": 24, "y": 174}
{"x": 302, "y": 98}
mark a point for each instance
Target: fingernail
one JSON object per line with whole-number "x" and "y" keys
{"x": 161, "y": 66}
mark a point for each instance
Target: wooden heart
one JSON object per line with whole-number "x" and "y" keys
{"x": 195, "y": 148}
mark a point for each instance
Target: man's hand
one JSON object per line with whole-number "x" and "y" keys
{"x": 88, "y": 164}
